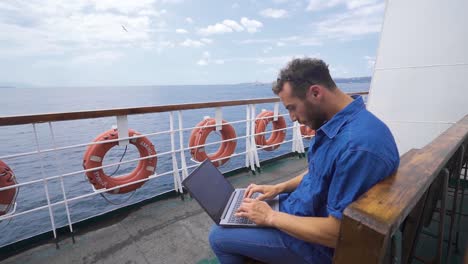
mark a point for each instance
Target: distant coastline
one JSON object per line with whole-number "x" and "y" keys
{"x": 354, "y": 80}
{"x": 7, "y": 85}
{"x": 366, "y": 79}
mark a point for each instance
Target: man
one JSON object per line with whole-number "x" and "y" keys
{"x": 351, "y": 151}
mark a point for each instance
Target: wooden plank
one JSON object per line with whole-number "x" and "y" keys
{"x": 51, "y": 117}
{"x": 363, "y": 237}
{"x": 390, "y": 201}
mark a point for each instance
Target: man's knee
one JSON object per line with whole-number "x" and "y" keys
{"x": 214, "y": 237}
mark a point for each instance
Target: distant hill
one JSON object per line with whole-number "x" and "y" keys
{"x": 337, "y": 80}
{"x": 14, "y": 85}
{"x": 353, "y": 80}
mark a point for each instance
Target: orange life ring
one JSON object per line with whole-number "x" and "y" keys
{"x": 307, "y": 132}
{"x": 198, "y": 138}
{"x": 94, "y": 157}
{"x": 276, "y": 137}
{"x": 7, "y": 197}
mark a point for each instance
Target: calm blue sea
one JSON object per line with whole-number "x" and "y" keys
{"x": 20, "y": 139}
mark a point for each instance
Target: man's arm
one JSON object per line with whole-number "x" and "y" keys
{"x": 291, "y": 185}
{"x": 270, "y": 191}
{"x": 320, "y": 230}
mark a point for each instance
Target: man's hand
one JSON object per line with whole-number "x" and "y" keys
{"x": 257, "y": 211}
{"x": 267, "y": 191}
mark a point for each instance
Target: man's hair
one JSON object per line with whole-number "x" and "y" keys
{"x": 301, "y": 73}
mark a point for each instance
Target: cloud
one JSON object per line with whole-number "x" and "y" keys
{"x": 206, "y": 40}
{"x": 215, "y": 29}
{"x": 370, "y": 62}
{"x": 206, "y": 60}
{"x": 41, "y": 28}
{"x": 181, "y": 31}
{"x": 202, "y": 62}
{"x": 272, "y": 60}
{"x": 356, "y": 22}
{"x": 125, "y": 7}
{"x": 274, "y": 13}
{"x": 229, "y": 26}
{"x": 339, "y": 71}
{"x": 103, "y": 56}
{"x": 267, "y": 49}
{"x": 189, "y": 20}
{"x": 277, "y": 60}
{"x": 233, "y": 24}
{"x": 192, "y": 43}
{"x": 280, "y": 44}
{"x": 317, "y": 5}
{"x": 252, "y": 26}
{"x": 151, "y": 12}
{"x": 293, "y": 41}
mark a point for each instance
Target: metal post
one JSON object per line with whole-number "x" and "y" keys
{"x": 46, "y": 189}
{"x": 182, "y": 152}
{"x": 248, "y": 154}
{"x": 253, "y": 144}
{"x": 175, "y": 169}
{"x": 62, "y": 185}
{"x": 122, "y": 130}
{"x": 219, "y": 118}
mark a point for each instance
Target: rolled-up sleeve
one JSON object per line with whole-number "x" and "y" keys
{"x": 356, "y": 172}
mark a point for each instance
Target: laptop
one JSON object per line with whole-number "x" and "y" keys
{"x": 218, "y": 197}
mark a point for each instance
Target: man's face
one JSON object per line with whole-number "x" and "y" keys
{"x": 306, "y": 111}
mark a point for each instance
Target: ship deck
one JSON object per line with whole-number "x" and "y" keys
{"x": 166, "y": 230}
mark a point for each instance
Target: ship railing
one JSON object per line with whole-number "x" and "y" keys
{"x": 177, "y": 154}
{"x": 384, "y": 224}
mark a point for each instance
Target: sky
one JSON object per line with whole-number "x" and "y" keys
{"x": 172, "y": 42}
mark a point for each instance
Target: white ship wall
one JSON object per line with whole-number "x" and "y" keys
{"x": 420, "y": 82}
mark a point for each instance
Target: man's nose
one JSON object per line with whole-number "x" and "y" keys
{"x": 292, "y": 116}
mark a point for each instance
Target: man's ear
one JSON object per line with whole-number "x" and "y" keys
{"x": 314, "y": 92}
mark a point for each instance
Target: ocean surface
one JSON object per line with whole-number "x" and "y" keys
{"x": 21, "y": 139}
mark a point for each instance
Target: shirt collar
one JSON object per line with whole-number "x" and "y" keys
{"x": 332, "y": 126}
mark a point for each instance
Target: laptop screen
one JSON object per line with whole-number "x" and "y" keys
{"x": 209, "y": 187}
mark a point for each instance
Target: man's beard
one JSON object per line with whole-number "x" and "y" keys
{"x": 315, "y": 117}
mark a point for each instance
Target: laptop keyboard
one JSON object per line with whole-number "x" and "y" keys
{"x": 233, "y": 219}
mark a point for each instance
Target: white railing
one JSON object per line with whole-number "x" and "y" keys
{"x": 176, "y": 156}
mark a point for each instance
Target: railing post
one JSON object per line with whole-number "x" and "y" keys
{"x": 122, "y": 130}
{"x": 62, "y": 185}
{"x": 248, "y": 151}
{"x": 175, "y": 169}
{"x": 253, "y": 144}
{"x": 46, "y": 189}
{"x": 182, "y": 152}
{"x": 219, "y": 118}
{"x": 276, "y": 111}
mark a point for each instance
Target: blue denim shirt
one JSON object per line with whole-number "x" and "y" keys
{"x": 348, "y": 155}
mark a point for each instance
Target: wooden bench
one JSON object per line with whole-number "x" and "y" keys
{"x": 385, "y": 222}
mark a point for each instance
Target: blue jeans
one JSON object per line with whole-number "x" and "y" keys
{"x": 232, "y": 245}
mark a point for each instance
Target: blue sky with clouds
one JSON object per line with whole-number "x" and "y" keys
{"x": 160, "y": 42}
